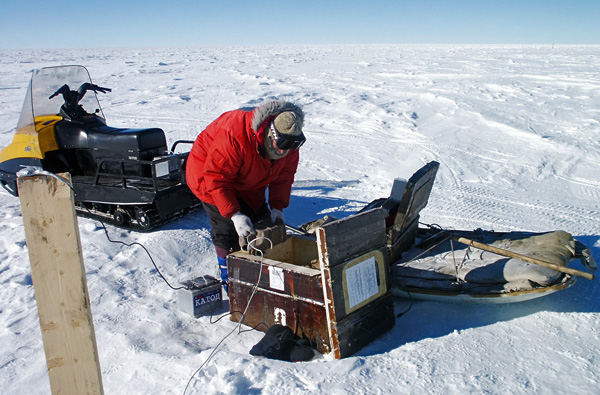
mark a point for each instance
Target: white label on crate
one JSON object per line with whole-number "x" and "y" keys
{"x": 276, "y": 278}
{"x": 279, "y": 315}
{"x": 362, "y": 281}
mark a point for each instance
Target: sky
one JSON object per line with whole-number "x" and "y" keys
{"x": 26, "y": 24}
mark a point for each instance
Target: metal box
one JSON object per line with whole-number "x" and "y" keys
{"x": 201, "y": 296}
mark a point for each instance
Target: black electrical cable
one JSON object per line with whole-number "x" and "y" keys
{"x": 254, "y": 327}
{"x": 223, "y": 316}
{"x": 409, "y": 306}
{"x": 135, "y": 243}
{"x": 32, "y": 171}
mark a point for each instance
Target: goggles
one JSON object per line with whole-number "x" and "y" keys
{"x": 286, "y": 141}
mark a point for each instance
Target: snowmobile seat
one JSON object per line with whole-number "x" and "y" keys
{"x": 142, "y": 141}
{"x": 71, "y": 135}
{"x": 86, "y": 144}
{"x": 110, "y": 145}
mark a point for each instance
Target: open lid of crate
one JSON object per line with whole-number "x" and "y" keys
{"x": 355, "y": 273}
{"x": 403, "y": 206}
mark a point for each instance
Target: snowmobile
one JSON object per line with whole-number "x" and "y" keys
{"x": 127, "y": 177}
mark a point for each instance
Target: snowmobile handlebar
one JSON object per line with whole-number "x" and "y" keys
{"x": 97, "y": 88}
{"x": 73, "y": 97}
{"x": 63, "y": 90}
{"x": 71, "y": 107}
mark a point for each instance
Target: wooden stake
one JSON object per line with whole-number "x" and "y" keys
{"x": 60, "y": 285}
{"x": 510, "y": 254}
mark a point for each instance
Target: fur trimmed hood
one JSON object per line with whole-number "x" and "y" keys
{"x": 272, "y": 109}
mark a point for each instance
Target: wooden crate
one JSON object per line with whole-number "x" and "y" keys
{"x": 334, "y": 291}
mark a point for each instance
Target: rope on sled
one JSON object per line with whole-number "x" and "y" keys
{"x": 448, "y": 235}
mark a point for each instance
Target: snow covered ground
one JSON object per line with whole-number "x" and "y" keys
{"x": 515, "y": 129}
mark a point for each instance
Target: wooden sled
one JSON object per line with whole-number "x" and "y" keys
{"x": 442, "y": 269}
{"x": 502, "y": 268}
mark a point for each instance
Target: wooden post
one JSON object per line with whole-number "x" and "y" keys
{"x": 60, "y": 285}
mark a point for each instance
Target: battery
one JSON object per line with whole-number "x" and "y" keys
{"x": 201, "y": 296}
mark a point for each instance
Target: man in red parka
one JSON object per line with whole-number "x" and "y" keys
{"x": 233, "y": 162}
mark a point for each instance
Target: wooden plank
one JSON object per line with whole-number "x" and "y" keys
{"x": 365, "y": 325}
{"x": 334, "y": 343}
{"x": 286, "y": 278}
{"x": 352, "y": 236}
{"x": 60, "y": 285}
{"x": 525, "y": 258}
{"x": 267, "y": 308}
{"x": 351, "y": 251}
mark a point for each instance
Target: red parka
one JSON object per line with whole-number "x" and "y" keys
{"x": 227, "y": 161}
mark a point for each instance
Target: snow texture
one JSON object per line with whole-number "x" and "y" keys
{"x": 515, "y": 129}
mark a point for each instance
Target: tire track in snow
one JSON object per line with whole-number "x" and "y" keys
{"x": 501, "y": 211}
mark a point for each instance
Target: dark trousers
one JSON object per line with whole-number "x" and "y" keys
{"x": 223, "y": 233}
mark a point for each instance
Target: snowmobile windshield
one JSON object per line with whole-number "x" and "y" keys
{"x": 44, "y": 83}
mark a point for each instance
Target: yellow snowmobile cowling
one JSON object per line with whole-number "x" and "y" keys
{"x": 33, "y": 142}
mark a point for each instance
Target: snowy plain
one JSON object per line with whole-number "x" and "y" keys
{"x": 515, "y": 128}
